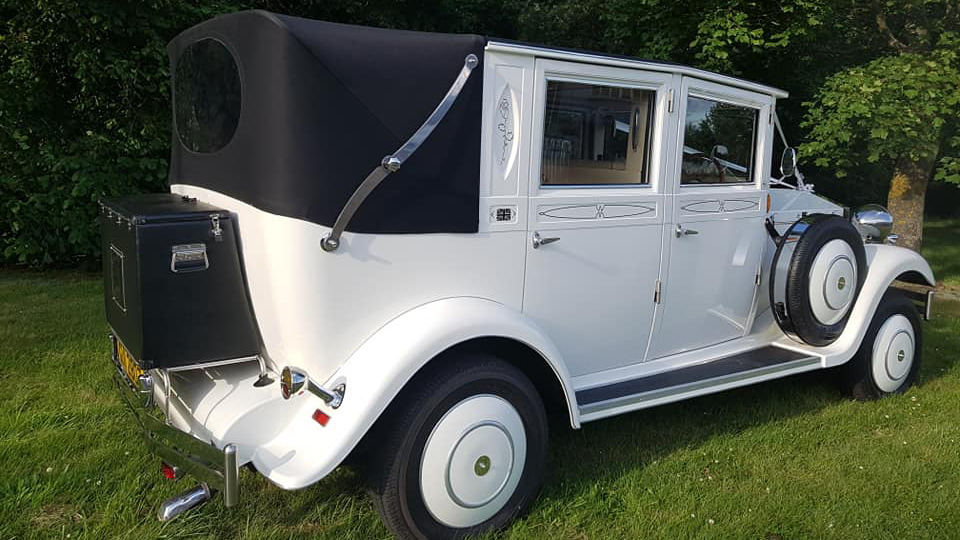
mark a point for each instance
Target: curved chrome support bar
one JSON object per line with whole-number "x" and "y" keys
{"x": 393, "y": 162}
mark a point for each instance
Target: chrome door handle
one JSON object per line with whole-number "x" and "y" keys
{"x": 685, "y": 232}
{"x": 540, "y": 241}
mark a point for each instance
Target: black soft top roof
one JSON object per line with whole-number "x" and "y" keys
{"x": 322, "y": 103}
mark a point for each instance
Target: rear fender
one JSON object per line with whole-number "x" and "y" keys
{"x": 305, "y": 452}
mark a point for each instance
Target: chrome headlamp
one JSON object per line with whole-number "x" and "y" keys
{"x": 875, "y": 224}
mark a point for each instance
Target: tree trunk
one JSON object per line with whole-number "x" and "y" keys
{"x": 908, "y": 190}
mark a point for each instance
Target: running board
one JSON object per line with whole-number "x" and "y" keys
{"x": 729, "y": 372}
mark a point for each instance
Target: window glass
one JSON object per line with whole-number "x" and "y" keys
{"x": 718, "y": 142}
{"x": 206, "y": 90}
{"x": 595, "y": 135}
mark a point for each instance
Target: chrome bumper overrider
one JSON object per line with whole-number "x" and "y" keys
{"x": 215, "y": 468}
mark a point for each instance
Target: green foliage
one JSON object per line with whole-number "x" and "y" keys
{"x": 84, "y": 88}
{"x": 892, "y": 107}
{"x": 949, "y": 169}
{"x": 734, "y": 28}
{"x": 83, "y": 114}
{"x": 85, "y": 106}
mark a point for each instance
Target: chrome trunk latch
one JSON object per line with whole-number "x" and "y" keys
{"x": 217, "y": 231}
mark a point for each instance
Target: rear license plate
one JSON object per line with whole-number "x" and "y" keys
{"x": 128, "y": 364}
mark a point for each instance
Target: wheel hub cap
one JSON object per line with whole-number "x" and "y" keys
{"x": 832, "y": 279}
{"x": 893, "y": 351}
{"x": 472, "y": 479}
{"x": 472, "y": 461}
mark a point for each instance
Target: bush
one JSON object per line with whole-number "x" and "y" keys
{"x": 84, "y": 102}
{"x": 84, "y": 113}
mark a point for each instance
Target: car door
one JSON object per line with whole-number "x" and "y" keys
{"x": 596, "y": 210}
{"x": 716, "y": 238}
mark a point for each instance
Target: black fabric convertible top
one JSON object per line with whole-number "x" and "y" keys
{"x": 320, "y": 104}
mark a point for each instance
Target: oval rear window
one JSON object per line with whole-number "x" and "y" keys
{"x": 207, "y": 95}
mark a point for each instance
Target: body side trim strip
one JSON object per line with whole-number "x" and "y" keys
{"x": 704, "y": 386}
{"x": 749, "y": 363}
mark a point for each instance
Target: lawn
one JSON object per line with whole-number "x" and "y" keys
{"x": 941, "y": 247}
{"x": 784, "y": 460}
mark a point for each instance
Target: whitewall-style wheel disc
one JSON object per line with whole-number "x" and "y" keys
{"x": 893, "y": 353}
{"x": 833, "y": 281}
{"x": 473, "y": 461}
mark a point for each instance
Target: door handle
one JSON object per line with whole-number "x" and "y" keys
{"x": 685, "y": 232}
{"x": 540, "y": 241}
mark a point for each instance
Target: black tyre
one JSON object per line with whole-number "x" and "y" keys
{"x": 889, "y": 356}
{"x": 826, "y": 270}
{"x": 461, "y": 452}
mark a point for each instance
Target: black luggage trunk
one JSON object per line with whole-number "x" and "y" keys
{"x": 174, "y": 289}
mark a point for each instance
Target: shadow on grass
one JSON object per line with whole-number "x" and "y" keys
{"x": 604, "y": 451}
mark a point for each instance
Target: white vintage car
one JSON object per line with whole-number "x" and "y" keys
{"x": 551, "y": 231}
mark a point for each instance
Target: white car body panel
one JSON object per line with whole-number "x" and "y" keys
{"x": 377, "y": 310}
{"x": 282, "y": 440}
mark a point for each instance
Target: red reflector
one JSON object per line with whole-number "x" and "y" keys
{"x": 168, "y": 472}
{"x": 321, "y": 417}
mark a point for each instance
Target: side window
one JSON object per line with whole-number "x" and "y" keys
{"x": 595, "y": 135}
{"x": 718, "y": 142}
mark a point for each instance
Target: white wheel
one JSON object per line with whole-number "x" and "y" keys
{"x": 833, "y": 280}
{"x": 889, "y": 356}
{"x": 463, "y": 451}
{"x": 473, "y": 461}
{"x": 893, "y": 351}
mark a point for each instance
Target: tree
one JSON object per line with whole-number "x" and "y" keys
{"x": 85, "y": 102}
{"x": 901, "y": 110}
{"x": 84, "y": 113}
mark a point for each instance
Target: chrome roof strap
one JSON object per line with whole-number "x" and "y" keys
{"x": 392, "y": 162}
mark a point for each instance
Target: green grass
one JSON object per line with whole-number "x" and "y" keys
{"x": 788, "y": 459}
{"x": 941, "y": 248}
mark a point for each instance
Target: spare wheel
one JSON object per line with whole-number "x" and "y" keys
{"x": 817, "y": 273}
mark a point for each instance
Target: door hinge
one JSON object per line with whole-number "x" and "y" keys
{"x": 756, "y": 279}
{"x": 670, "y": 101}
{"x": 656, "y": 293}
{"x": 771, "y": 116}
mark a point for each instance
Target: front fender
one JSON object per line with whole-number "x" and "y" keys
{"x": 885, "y": 264}
{"x": 304, "y": 452}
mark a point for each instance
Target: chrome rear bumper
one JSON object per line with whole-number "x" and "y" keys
{"x": 216, "y": 468}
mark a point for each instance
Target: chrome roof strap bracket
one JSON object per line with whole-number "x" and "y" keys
{"x": 394, "y": 161}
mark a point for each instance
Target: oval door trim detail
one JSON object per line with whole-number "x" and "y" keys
{"x": 738, "y": 205}
{"x": 712, "y": 206}
{"x": 596, "y": 211}
{"x": 717, "y": 206}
